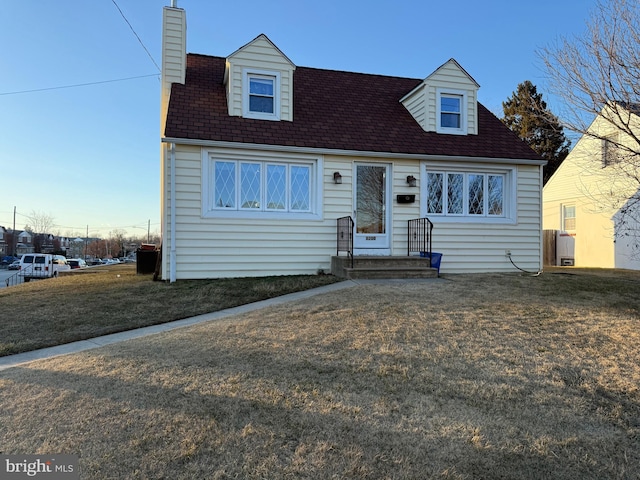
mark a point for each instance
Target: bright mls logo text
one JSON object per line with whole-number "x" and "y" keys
{"x": 59, "y": 467}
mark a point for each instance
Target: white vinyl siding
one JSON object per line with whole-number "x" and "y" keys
{"x": 235, "y": 247}
{"x": 259, "y": 55}
{"x": 480, "y": 247}
{"x": 415, "y": 102}
{"x": 232, "y": 246}
{"x": 174, "y": 58}
{"x": 423, "y": 101}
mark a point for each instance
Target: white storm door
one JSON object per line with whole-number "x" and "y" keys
{"x": 372, "y": 200}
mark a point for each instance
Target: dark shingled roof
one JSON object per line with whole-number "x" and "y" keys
{"x": 332, "y": 110}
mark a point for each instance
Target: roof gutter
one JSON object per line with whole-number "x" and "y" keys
{"x": 350, "y": 153}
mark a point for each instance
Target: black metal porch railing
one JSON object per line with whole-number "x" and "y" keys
{"x": 18, "y": 277}
{"x": 345, "y": 236}
{"x": 420, "y": 237}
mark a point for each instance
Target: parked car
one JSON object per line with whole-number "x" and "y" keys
{"x": 42, "y": 265}
{"x": 76, "y": 263}
{"x": 14, "y": 266}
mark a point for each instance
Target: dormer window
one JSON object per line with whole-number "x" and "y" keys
{"x": 450, "y": 108}
{"x": 261, "y": 94}
{"x": 451, "y": 112}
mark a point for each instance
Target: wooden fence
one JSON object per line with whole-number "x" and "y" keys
{"x": 549, "y": 247}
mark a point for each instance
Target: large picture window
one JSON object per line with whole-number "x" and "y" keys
{"x": 260, "y": 185}
{"x": 467, "y": 194}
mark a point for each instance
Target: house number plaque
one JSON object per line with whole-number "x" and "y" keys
{"x": 370, "y": 238}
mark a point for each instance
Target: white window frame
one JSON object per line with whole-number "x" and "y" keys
{"x": 211, "y": 156}
{"x": 247, "y": 74}
{"x": 610, "y": 149}
{"x": 564, "y": 217}
{"x": 462, "y": 94}
{"x": 510, "y": 206}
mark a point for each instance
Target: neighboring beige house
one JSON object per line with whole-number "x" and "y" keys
{"x": 260, "y": 157}
{"x": 582, "y": 201}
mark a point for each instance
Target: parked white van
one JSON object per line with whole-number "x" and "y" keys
{"x": 42, "y": 265}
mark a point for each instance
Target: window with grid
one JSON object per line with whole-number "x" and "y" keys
{"x": 261, "y": 94}
{"x": 466, "y": 194}
{"x": 451, "y": 110}
{"x": 262, "y": 186}
{"x": 568, "y": 217}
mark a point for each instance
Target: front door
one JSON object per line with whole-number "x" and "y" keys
{"x": 372, "y": 198}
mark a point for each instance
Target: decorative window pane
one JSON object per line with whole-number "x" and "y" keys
{"x": 255, "y": 185}
{"x": 434, "y": 194}
{"x": 276, "y": 187}
{"x": 455, "y": 193}
{"x": 476, "y": 194}
{"x": 261, "y": 95}
{"x": 467, "y": 194}
{"x": 450, "y": 111}
{"x": 250, "y": 185}
{"x": 300, "y": 178}
{"x": 225, "y": 185}
{"x": 496, "y": 194}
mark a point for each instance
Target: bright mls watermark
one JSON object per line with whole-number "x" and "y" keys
{"x": 50, "y": 467}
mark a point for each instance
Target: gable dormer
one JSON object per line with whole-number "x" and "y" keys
{"x": 446, "y": 101}
{"x": 259, "y": 81}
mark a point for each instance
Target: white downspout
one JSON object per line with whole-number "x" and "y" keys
{"x": 172, "y": 217}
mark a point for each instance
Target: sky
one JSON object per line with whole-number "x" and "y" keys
{"x": 80, "y": 82}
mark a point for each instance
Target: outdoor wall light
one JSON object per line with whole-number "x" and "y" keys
{"x": 337, "y": 178}
{"x": 411, "y": 180}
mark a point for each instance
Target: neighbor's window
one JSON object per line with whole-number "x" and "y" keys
{"x": 262, "y": 186}
{"x": 568, "y": 217}
{"x": 610, "y": 152}
{"x": 466, "y": 194}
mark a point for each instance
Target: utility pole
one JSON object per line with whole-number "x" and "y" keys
{"x": 13, "y": 233}
{"x": 148, "y": 230}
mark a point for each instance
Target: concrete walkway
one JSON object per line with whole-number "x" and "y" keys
{"x": 75, "y": 347}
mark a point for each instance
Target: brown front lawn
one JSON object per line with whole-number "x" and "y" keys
{"x": 101, "y": 300}
{"x": 473, "y": 376}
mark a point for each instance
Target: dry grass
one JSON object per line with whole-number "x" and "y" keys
{"x": 108, "y": 299}
{"x": 476, "y": 376}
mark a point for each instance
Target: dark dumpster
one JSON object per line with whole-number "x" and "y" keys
{"x": 146, "y": 259}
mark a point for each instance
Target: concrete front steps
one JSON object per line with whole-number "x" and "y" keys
{"x": 376, "y": 267}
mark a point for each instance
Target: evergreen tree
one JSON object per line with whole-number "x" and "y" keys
{"x": 526, "y": 114}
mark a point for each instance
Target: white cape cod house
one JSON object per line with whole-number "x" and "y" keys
{"x": 261, "y": 157}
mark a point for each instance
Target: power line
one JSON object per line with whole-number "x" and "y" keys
{"x": 78, "y": 85}
{"x": 139, "y": 40}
